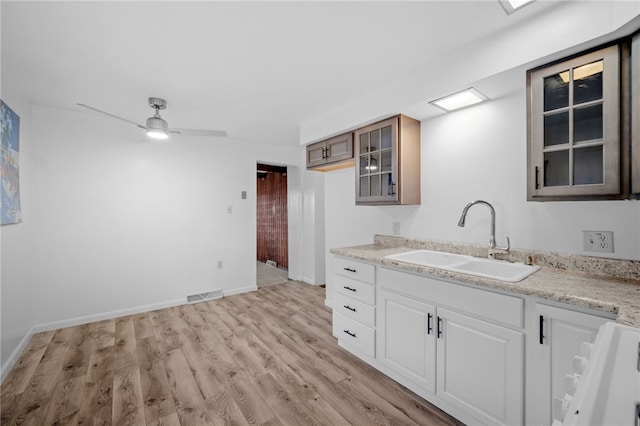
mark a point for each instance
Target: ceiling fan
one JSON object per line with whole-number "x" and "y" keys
{"x": 156, "y": 126}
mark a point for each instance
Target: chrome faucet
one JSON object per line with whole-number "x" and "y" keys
{"x": 492, "y": 237}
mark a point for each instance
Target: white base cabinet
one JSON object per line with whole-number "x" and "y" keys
{"x": 559, "y": 333}
{"x": 406, "y": 338}
{"x": 460, "y": 347}
{"x": 468, "y": 362}
{"x": 480, "y": 367}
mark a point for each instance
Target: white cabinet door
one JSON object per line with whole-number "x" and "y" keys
{"x": 406, "y": 338}
{"x": 559, "y": 335}
{"x": 480, "y": 367}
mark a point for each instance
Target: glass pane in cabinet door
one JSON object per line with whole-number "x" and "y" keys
{"x": 374, "y": 140}
{"x": 587, "y": 82}
{"x": 364, "y": 164}
{"x": 556, "y": 129}
{"x": 386, "y": 161}
{"x": 374, "y": 164}
{"x": 556, "y": 91}
{"x": 387, "y": 184}
{"x": 587, "y": 123}
{"x": 386, "y": 137}
{"x": 588, "y": 166}
{"x": 375, "y": 185}
{"x": 556, "y": 168}
{"x": 364, "y": 186}
{"x": 364, "y": 142}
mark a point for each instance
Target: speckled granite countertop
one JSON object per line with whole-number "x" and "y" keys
{"x": 608, "y": 285}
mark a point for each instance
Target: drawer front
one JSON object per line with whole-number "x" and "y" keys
{"x": 353, "y": 289}
{"x": 352, "y": 308}
{"x": 355, "y": 334}
{"x": 356, "y": 270}
{"x": 497, "y": 307}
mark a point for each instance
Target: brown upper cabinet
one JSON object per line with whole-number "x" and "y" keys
{"x": 330, "y": 154}
{"x": 574, "y": 127}
{"x": 388, "y": 162}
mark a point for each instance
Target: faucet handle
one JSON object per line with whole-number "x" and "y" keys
{"x": 505, "y": 249}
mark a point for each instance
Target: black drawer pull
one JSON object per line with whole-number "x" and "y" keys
{"x": 439, "y": 327}
{"x": 429, "y": 326}
{"x": 541, "y": 333}
{"x": 350, "y": 308}
{"x": 350, "y": 270}
{"x": 346, "y": 287}
{"x": 350, "y": 333}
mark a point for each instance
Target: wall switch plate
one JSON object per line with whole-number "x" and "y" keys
{"x": 396, "y": 228}
{"x": 229, "y": 209}
{"x": 219, "y": 264}
{"x": 600, "y": 241}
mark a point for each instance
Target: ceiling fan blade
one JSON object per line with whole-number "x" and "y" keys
{"x": 111, "y": 115}
{"x": 199, "y": 132}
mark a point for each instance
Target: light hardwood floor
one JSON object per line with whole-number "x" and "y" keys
{"x": 265, "y": 358}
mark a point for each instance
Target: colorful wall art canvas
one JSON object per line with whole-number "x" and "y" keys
{"x": 10, "y": 211}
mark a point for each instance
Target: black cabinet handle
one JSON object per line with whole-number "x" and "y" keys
{"x": 346, "y": 287}
{"x": 537, "y": 173}
{"x": 541, "y": 335}
{"x": 429, "y": 326}
{"x": 439, "y": 327}
{"x": 349, "y": 270}
{"x": 350, "y": 308}
{"x": 350, "y": 333}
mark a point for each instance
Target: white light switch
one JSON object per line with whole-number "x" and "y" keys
{"x": 229, "y": 209}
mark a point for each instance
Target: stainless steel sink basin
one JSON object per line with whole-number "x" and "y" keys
{"x": 488, "y": 268}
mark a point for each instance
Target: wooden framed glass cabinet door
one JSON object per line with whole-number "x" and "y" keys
{"x": 388, "y": 162}
{"x": 574, "y": 127}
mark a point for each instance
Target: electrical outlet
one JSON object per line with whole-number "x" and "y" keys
{"x": 396, "y": 228}
{"x": 600, "y": 241}
{"x": 219, "y": 264}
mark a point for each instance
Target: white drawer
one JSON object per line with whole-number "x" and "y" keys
{"x": 354, "y": 334}
{"x": 352, "y": 308}
{"x": 496, "y": 307}
{"x": 353, "y": 269}
{"x": 353, "y": 289}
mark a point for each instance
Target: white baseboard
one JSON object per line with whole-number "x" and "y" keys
{"x": 15, "y": 355}
{"x": 240, "y": 290}
{"x": 107, "y": 315}
{"x": 328, "y": 303}
{"x": 308, "y": 281}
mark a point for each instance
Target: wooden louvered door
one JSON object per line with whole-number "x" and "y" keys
{"x": 272, "y": 224}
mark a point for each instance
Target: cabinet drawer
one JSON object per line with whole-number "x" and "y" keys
{"x": 353, "y": 289}
{"x": 352, "y": 308}
{"x": 353, "y": 269}
{"x": 355, "y": 334}
{"x": 497, "y": 307}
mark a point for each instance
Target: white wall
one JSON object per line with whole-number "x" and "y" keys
{"x": 478, "y": 153}
{"x": 16, "y": 286}
{"x": 123, "y": 223}
{"x": 313, "y": 228}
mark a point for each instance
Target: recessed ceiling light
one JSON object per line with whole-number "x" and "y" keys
{"x": 511, "y": 6}
{"x": 459, "y": 100}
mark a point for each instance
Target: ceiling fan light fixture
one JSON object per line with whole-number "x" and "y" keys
{"x": 157, "y": 128}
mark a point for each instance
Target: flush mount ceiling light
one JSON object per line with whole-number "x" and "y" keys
{"x": 511, "y": 6}
{"x": 460, "y": 99}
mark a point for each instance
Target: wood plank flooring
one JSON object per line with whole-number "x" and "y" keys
{"x": 260, "y": 358}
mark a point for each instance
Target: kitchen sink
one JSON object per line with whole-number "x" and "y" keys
{"x": 488, "y": 268}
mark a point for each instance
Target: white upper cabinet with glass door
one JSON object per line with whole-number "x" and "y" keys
{"x": 574, "y": 127}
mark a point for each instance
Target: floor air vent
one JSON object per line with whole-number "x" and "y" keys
{"x": 210, "y": 295}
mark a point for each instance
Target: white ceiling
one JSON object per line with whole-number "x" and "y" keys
{"x": 256, "y": 69}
